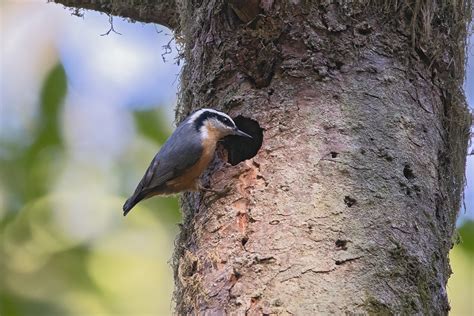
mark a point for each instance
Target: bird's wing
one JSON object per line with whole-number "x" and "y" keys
{"x": 177, "y": 154}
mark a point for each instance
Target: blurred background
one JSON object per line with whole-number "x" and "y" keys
{"x": 82, "y": 113}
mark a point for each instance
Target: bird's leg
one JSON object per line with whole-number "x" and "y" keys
{"x": 221, "y": 192}
{"x": 202, "y": 187}
{"x": 216, "y": 194}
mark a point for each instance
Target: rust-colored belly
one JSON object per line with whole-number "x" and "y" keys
{"x": 189, "y": 180}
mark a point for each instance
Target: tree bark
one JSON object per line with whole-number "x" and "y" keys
{"x": 350, "y": 204}
{"x": 162, "y": 12}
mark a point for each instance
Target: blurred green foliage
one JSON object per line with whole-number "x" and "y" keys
{"x": 25, "y": 171}
{"x": 150, "y": 123}
{"x": 58, "y": 259}
{"x": 466, "y": 232}
{"x": 460, "y": 284}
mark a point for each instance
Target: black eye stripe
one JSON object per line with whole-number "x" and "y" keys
{"x": 207, "y": 115}
{"x": 226, "y": 121}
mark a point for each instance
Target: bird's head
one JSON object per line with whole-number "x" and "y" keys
{"x": 212, "y": 123}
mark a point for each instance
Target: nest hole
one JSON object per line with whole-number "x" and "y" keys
{"x": 242, "y": 148}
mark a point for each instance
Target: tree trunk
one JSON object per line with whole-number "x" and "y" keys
{"x": 349, "y": 206}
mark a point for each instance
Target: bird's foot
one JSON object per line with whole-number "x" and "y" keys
{"x": 215, "y": 194}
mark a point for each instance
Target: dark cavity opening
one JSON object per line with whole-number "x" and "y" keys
{"x": 349, "y": 201}
{"x": 408, "y": 172}
{"x": 364, "y": 28}
{"x": 341, "y": 244}
{"x": 243, "y": 148}
{"x": 193, "y": 269}
{"x": 334, "y": 154}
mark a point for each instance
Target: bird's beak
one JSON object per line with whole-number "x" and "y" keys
{"x": 238, "y": 132}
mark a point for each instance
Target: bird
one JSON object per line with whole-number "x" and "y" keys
{"x": 184, "y": 156}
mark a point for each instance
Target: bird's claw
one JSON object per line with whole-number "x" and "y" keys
{"x": 215, "y": 194}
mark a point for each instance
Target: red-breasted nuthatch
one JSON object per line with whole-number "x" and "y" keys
{"x": 184, "y": 156}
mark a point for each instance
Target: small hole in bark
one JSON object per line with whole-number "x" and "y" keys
{"x": 364, "y": 28}
{"x": 267, "y": 260}
{"x": 254, "y": 300}
{"x": 438, "y": 211}
{"x": 193, "y": 268}
{"x": 408, "y": 172}
{"x": 334, "y": 154}
{"x": 349, "y": 201}
{"x": 339, "y": 64}
{"x": 244, "y": 241}
{"x": 243, "y": 148}
{"x": 339, "y": 262}
{"x": 271, "y": 91}
{"x": 341, "y": 244}
{"x": 364, "y": 31}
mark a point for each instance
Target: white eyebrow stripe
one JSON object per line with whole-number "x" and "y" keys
{"x": 196, "y": 114}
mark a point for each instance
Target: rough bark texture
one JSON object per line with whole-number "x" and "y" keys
{"x": 350, "y": 204}
{"x": 162, "y": 12}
